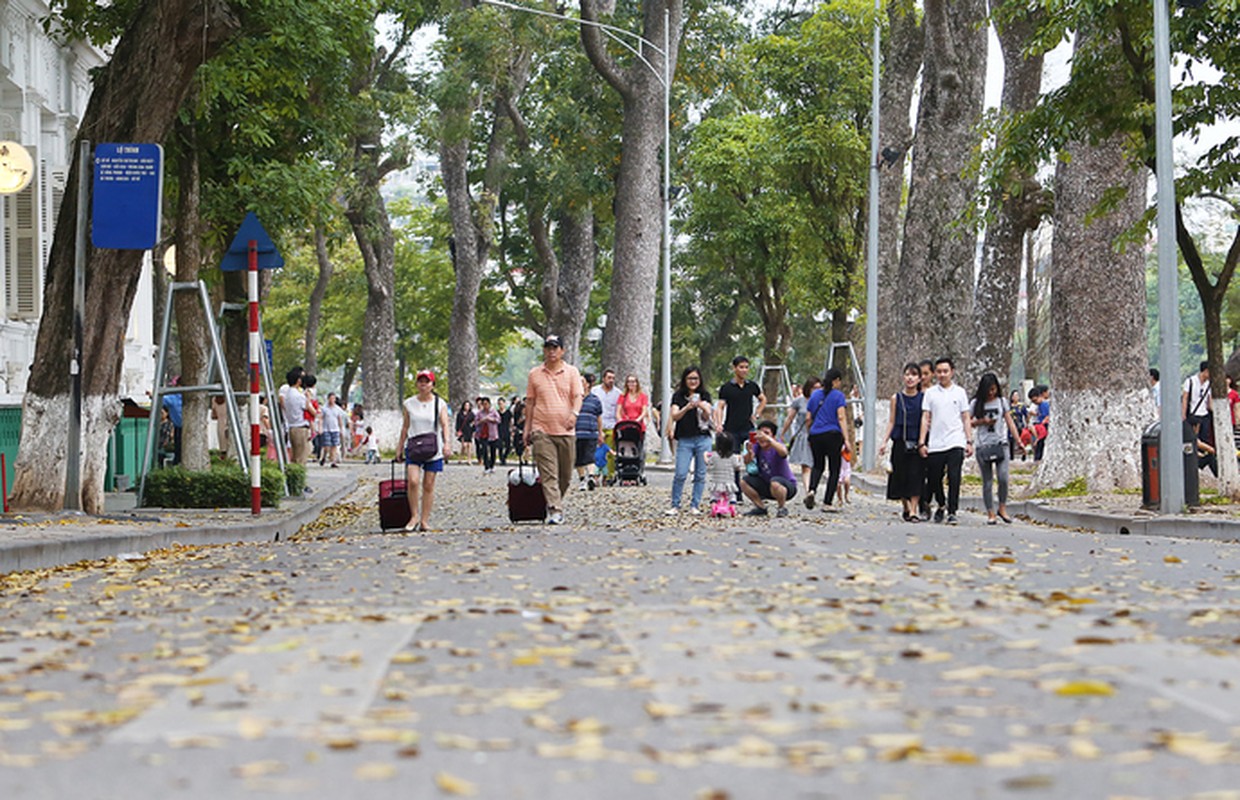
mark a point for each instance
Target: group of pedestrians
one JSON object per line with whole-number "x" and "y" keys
{"x": 323, "y": 430}
{"x": 933, "y": 427}
{"x": 489, "y": 433}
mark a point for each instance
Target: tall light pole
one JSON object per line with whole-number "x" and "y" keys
{"x": 626, "y": 39}
{"x": 1170, "y": 441}
{"x": 869, "y": 443}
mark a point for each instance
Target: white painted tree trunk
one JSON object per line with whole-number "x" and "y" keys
{"x": 45, "y": 422}
{"x": 1224, "y": 439}
{"x": 1095, "y": 434}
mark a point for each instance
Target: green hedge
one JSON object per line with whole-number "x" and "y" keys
{"x": 224, "y": 485}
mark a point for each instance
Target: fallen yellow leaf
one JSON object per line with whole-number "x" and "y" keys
{"x": 1085, "y": 689}
{"x": 453, "y": 785}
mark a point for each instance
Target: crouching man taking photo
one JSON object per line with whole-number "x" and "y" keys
{"x": 772, "y": 479}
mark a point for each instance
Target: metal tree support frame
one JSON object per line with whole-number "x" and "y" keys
{"x": 274, "y": 411}
{"x": 785, "y": 386}
{"x": 223, "y": 386}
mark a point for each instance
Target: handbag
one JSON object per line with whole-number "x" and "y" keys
{"x": 992, "y": 452}
{"x": 422, "y": 448}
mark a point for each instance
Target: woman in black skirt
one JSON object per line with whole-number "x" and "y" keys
{"x": 907, "y": 477}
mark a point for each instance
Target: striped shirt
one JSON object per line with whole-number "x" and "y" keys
{"x": 556, "y": 397}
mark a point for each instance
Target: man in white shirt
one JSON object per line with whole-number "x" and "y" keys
{"x": 944, "y": 441}
{"x": 608, "y": 394}
{"x": 1195, "y": 404}
{"x": 293, "y": 404}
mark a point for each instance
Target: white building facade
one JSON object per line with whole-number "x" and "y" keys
{"x": 44, "y": 89}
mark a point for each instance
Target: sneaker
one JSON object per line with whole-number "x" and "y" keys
{"x": 782, "y": 512}
{"x": 756, "y": 512}
{"x": 581, "y": 486}
{"x": 938, "y": 515}
{"x": 671, "y": 512}
{"x": 555, "y": 518}
{"x": 809, "y": 500}
{"x": 924, "y": 515}
{"x": 695, "y": 511}
{"x": 951, "y": 519}
{"x": 590, "y": 483}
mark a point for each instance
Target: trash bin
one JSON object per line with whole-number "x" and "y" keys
{"x": 1151, "y": 490}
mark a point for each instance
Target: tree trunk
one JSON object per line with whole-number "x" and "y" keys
{"x": 1098, "y": 374}
{"x": 367, "y": 215}
{"x": 314, "y": 314}
{"x": 1037, "y": 345}
{"x": 721, "y": 337}
{"x": 193, "y": 338}
{"x": 346, "y": 381}
{"x": 136, "y": 99}
{"x": 902, "y": 52}
{"x": 1021, "y": 204}
{"x": 935, "y": 280}
{"x": 639, "y": 197}
{"x": 1213, "y": 295}
{"x": 576, "y": 278}
{"x": 469, "y": 250}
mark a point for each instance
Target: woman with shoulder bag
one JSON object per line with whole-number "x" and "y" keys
{"x": 903, "y": 427}
{"x": 992, "y": 422}
{"x": 426, "y": 435}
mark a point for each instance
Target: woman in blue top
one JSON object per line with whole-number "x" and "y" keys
{"x": 826, "y": 416}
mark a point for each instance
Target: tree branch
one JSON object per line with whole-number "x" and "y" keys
{"x": 596, "y": 50}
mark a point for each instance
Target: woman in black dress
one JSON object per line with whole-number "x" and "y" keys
{"x": 465, "y": 430}
{"x": 904, "y": 426}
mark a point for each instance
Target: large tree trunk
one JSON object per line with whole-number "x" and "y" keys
{"x": 136, "y": 99}
{"x": 372, "y": 230}
{"x": 576, "y": 279}
{"x": 1037, "y": 343}
{"x": 314, "y": 314}
{"x": 469, "y": 251}
{"x": 193, "y": 338}
{"x": 902, "y": 51}
{"x": 935, "y": 281}
{"x": 1098, "y": 363}
{"x": 1021, "y": 203}
{"x": 639, "y": 197}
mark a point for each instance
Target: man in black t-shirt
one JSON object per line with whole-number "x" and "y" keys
{"x": 736, "y": 412}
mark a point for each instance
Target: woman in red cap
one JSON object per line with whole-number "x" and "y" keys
{"x": 424, "y": 414}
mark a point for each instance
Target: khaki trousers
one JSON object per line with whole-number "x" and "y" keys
{"x": 299, "y": 443}
{"x": 554, "y": 456}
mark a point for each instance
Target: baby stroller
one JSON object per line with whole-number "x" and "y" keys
{"x": 630, "y": 453}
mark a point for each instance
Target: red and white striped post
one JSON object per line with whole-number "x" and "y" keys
{"x": 256, "y": 462}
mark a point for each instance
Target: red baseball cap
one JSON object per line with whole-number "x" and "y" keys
{"x": 426, "y": 373}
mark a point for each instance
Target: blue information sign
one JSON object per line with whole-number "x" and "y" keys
{"x": 128, "y": 194}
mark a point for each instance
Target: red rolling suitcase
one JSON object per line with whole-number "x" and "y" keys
{"x": 526, "y": 501}
{"x": 393, "y": 502}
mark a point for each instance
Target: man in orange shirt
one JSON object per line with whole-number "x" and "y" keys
{"x": 552, "y": 401}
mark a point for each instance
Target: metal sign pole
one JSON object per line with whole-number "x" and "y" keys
{"x": 73, "y": 447}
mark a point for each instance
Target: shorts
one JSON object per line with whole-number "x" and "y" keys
{"x": 763, "y": 486}
{"x": 331, "y": 438}
{"x": 585, "y": 452}
{"x": 427, "y": 466}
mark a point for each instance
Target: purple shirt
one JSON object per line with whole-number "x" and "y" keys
{"x": 771, "y": 464}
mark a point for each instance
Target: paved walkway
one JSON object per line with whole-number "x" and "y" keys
{"x": 36, "y": 541}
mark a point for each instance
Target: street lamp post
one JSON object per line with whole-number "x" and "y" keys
{"x": 664, "y": 77}
{"x": 1170, "y": 442}
{"x": 869, "y": 443}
